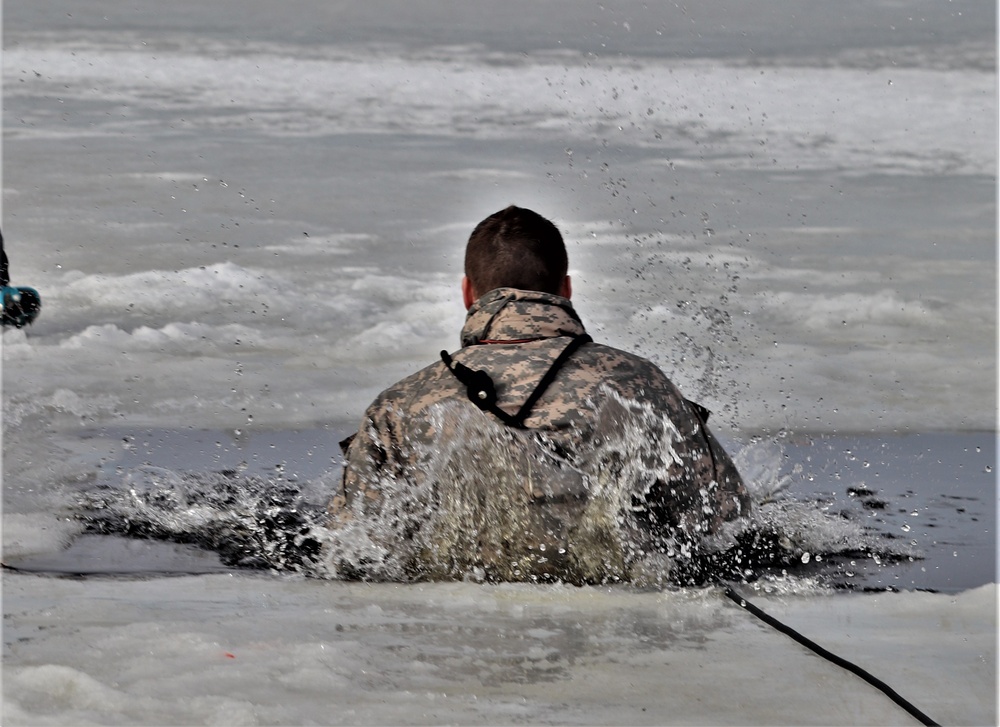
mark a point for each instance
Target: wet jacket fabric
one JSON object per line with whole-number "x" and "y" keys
{"x": 613, "y": 466}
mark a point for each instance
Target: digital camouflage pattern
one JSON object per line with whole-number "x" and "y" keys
{"x": 613, "y": 466}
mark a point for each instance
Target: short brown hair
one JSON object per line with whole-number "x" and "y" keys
{"x": 516, "y": 248}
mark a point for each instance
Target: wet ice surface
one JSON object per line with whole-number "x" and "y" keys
{"x": 260, "y": 650}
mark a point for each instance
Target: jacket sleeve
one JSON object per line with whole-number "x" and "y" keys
{"x": 370, "y": 456}
{"x": 703, "y": 489}
{"x": 730, "y": 497}
{"x": 699, "y": 487}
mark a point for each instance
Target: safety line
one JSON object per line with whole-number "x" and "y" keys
{"x": 809, "y": 644}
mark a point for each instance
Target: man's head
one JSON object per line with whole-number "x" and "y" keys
{"x": 515, "y": 248}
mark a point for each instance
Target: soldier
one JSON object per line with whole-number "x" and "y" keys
{"x": 4, "y": 265}
{"x": 533, "y": 453}
{"x": 20, "y": 304}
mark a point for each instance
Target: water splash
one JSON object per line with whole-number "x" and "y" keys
{"x": 500, "y": 504}
{"x": 251, "y": 521}
{"x": 496, "y": 504}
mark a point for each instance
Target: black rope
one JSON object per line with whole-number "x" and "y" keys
{"x": 482, "y": 391}
{"x": 479, "y": 387}
{"x": 549, "y": 377}
{"x": 829, "y": 656}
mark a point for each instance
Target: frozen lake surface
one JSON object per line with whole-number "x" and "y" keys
{"x": 222, "y": 649}
{"x": 246, "y": 218}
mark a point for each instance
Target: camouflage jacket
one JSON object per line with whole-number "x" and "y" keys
{"x": 613, "y": 466}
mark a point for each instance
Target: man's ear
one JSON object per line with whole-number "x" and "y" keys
{"x": 468, "y": 293}
{"x": 566, "y": 289}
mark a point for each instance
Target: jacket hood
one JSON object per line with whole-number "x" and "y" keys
{"x": 509, "y": 314}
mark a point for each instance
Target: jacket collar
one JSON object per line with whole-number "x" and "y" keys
{"x": 509, "y": 314}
